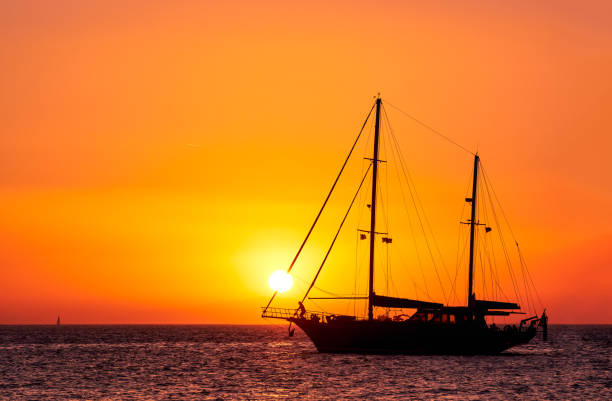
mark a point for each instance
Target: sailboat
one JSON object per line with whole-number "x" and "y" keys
{"x": 431, "y": 327}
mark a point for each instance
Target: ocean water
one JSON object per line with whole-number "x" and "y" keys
{"x": 261, "y": 362}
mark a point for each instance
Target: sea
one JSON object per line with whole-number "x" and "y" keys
{"x": 211, "y": 362}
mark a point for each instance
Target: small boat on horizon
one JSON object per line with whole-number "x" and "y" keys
{"x": 410, "y": 326}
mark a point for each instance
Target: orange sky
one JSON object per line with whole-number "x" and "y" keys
{"x": 159, "y": 160}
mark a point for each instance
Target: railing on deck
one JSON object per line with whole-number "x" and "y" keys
{"x": 286, "y": 313}
{"x": 278, "y": 313}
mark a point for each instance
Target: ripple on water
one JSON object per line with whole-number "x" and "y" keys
{"x": 254, "y": 362}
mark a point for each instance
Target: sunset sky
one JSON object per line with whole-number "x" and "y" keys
{"x": 159, "y": 159}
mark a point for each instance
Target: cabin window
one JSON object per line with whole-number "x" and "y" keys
{"x": 451, "y": 318}
{"x": 444, "y": 318}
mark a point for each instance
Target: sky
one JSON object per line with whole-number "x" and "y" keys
{"x": 159, "y": 159}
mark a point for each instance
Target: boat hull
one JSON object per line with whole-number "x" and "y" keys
{"x": 389, "y": 337}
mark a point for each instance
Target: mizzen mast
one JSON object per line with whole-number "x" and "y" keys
{"x": 473, "y": 223}
{"x": 373, "y": 209}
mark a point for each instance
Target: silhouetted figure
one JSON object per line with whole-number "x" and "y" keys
{"x": 302, "y": 309}
{"x": 544, "y": 324}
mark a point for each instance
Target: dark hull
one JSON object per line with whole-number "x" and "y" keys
{"x": 388, "y": 337}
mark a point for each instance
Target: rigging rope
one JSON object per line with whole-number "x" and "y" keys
{"x": 332, "y": 294}
{"x": 521, "y": 259}
{"x": 529, "y": 275}
{"x": 336, "y": 236}
{"x": 413, "y": 236}
{"x": 430, "y": 128}
{"x": 415, "y": 199}
{"x": 502, "y": 241}
{"x": 360, "y": 201}
{"x": 461, "y": 251}
{"x": 524, "y": 270}
{"x": 324, "y": 203}
{"x": 488, "y": 245}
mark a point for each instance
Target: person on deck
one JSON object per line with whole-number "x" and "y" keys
{"x": 302, "y": 309}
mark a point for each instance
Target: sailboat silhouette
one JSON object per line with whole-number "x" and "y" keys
{"x": 434, "y": 328}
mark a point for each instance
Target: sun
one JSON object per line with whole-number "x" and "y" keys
{"x": 280, "y": 281}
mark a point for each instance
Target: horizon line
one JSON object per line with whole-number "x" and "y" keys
{"x": 222, "y": 324}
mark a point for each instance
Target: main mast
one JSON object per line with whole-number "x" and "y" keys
{"x": 373, "y": 209}
{"x": 473, "y": 223}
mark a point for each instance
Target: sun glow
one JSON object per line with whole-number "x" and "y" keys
{"x": 280, "y": 281}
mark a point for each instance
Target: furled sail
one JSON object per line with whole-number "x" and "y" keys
{"x": 496, "y": 305}
{"x": 391, "y": 302}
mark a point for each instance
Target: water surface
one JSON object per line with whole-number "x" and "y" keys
{"x": 261, "y": 362}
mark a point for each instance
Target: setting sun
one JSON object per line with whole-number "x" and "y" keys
{"x": 280, "y": 281}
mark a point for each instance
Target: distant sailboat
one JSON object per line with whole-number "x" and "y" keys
{"x": 433, "y": 328}
{"x": 58, "y": 321}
